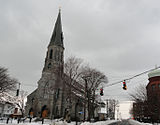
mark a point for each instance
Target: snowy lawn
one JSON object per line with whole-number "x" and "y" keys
{"x": 99, "y": 123}
{"x": 133, "y": 122}
{"x": 56, "y": 122}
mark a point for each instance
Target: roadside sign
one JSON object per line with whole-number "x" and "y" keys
{"x": 81, "y": 112}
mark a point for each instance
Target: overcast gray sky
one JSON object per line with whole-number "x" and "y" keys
{"x": 118, "y": 37}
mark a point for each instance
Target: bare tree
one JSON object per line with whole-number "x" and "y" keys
{"x": 94, "y": 79}
{"x": 112, "y": 107}
{"x": 139, "y": 94}
{"x": 72, "y": 72}
{"x": 21, "y": 101}
{"x": 72, "y": 68}
{"x": 6, "y": 82}
{"x": 141, "y": 105}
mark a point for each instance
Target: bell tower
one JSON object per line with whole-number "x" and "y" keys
{"x": 48, "y": 96}
{"x": 54, "y": 58}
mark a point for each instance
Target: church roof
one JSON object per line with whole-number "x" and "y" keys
{"x": 154, "y": 73}
{"x": 57, "y": 36}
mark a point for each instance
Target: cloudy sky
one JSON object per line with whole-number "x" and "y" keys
{"x": 118, "y": 37}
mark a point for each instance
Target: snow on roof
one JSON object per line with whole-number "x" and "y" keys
{"x": 5, "y": 97}
{"x": 102, "y": 110}
{"x": 154, "y": 73}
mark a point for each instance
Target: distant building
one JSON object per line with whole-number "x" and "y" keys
{"x": 102, "y": 114}
{"x": 6, "y": 109}
{"x": 150, "y": 109}
{"x": 8, "y": 105}
{"x": 140, "y": 111}
{"x": 153, "y": 94}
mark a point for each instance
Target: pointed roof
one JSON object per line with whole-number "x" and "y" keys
{"x": 57, "y": 36}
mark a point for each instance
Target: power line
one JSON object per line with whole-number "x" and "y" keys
{"x": 132, "y": 77}
{"x": 29, "y": 85}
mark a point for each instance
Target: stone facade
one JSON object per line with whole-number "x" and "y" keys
{"x": 52, "y": 93}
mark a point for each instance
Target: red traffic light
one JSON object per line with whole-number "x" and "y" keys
{"x": 101, "y": 92}
{"x": 124, "y": 85}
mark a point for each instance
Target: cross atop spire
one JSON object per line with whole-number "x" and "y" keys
{"x": 57, "y": 36}
{"x": 59, "y": 8}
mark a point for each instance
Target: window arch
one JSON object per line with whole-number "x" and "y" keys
{"x": 55, "y": 55}
{"x": 61, "y": 56}
{"x": 51, "y": 54}
{"x": 153, "y": 87}
{"x": 49, "y": 65}
{"x": 58, "y": 56}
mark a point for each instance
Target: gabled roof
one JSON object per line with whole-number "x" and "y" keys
{"x": 7, "y": 98}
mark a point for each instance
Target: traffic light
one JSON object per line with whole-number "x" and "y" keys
{"x": 101, "y": 92}
{"x": 124, "y": 85}
{"x": 17, "y": 93}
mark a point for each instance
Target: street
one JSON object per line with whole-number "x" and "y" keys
{"x": 123, "y": 122}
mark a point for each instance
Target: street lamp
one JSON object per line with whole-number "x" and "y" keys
{"x": 117, "y": 112}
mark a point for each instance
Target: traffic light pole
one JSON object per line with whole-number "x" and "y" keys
{"x": 107, "y": 108}
{"x": 85, "y": 99}
{"x": 19, "y": 84}
{"x": 88, "y": 92}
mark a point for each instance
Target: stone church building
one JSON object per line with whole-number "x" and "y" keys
{"x": 52, "y": 93}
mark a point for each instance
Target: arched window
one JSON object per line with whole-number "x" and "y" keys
{"x": 51, "y": 54}
{"x": 61, "y": 36}
{"x": 49, "y": 65}
{"x": 61, "y": 56}
{"x": 153, "y": 87}
{"x": 55, "y": 55}
{"x": 58, "y": 56}
{"x": 57, "y": 93}
{"x": 57, "y": 111}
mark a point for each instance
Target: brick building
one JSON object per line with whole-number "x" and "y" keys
{"x": 140, "y": 111}
{"x": 153, "y": 95}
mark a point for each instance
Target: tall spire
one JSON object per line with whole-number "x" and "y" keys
{"x": 54, "y": 57}
{"x": 57, "y": 36}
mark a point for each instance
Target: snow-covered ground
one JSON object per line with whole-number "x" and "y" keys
{"x": 133, "y": 122}
{"x": 99, "y": 123}
{"x": 49, "y": 122}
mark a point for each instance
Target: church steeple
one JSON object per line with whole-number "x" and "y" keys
{"x": 57, "y": 36}
{"x": 54, "y": 58}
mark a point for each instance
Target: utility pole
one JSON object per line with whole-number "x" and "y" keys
{"x": 107, "y": 108}
{"x": 76, "y": 111}
{"x": 85, "y": 98}
{"x": 87, "y": 95}
{"x": 88, "y": 92}
{"x": 117, "y": 112}
{"x": 114, "y": 108}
